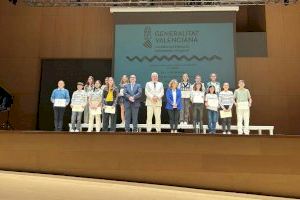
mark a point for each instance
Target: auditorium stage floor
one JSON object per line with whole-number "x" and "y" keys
{"x": 20, "y": 186}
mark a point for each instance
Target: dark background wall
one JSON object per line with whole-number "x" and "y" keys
{"x": 30, "y": 34}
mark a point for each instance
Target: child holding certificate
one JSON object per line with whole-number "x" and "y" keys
{"x": 109, "y": 101}
{"x": 197, "y": 98}
{"x": 243, "y": 103}
{"x": 60, "y": 98}
{"x": 123, "y": 82}
{"x": 212, "y": 104}
{"x": 88, "y": 88}
{"x": 226, "y": 101}
{"x": 95, "y": 99}
{"x": 78, "y": 103}
{"x": 185, "y": 88}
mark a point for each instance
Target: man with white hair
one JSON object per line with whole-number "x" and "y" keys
{"x": 154, "y": 91}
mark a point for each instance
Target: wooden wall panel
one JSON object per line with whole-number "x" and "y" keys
{"x": 30, "y": 34}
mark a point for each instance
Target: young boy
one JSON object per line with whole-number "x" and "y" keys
{"x": 78, "y": 103}
{"x": 243, "y": 103}
{"x": 213, "y": 82}
{"x": 60, "y": 98}
{"x": 226, "y": 101}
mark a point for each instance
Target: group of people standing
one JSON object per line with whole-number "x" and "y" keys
{"x": 96, "y": 100}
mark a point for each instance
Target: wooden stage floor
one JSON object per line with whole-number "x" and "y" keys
{"x": 266, "y": 165}
{"x": 20, "y": 186}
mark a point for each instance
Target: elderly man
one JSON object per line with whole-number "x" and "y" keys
{"x": 154, "y": 91}
{"x": 132, "y": 94}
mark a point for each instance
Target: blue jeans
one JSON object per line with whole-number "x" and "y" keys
{"x": 212, "y": 120}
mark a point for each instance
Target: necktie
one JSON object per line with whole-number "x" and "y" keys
{"x": 154, "y": 85}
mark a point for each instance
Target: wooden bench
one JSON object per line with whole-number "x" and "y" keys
{"x": 190, "y": 127}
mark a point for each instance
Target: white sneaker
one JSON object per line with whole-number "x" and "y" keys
{"x": 185, "y": 123}
{"x": 175, "y": 131}
{"x": 89, "y": 131}
{"x": 224, "y": 133}
{"x": 71, "y": 130}
{"x": 181, "y": 123}
{"x": 172, "y": 131}
{"x": 76, "y": 130}
{"x": 229, "y": 133}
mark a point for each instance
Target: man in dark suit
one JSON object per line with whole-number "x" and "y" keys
{"x": 133, "y": 94}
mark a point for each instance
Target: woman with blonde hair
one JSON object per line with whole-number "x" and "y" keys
{"x": 123, "y": 83}
{"x": 173, "y": 106}
{"x": 109, "y": 102}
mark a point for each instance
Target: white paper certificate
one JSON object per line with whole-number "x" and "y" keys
{"x": 60, "y": 102}
{"x": 110, "y": 109}
{"x": 185, "y": 94}
{"x": 243, "y": 105}
{"x": 121, "y": 92}
{"x": 225, "y": 114}
{"x": 77, "y": 108}
{"x": 97, "y": 111}
{"x": 213, "y": 103}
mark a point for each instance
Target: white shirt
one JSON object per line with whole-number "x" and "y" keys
{"x": 174, "y": 96}
{"x": 197, "y": 96}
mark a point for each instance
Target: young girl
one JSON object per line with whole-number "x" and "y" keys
{"x": 185, "y": 88}
{"x": 226, "y": 101}
{"x": 95, "y": 99}
{"x": 197, "y": 98}
{"x": 173, "y": 106}
{"x": 109, "y": 101}
{"x": 88, "y": 88}
{"x": 212, "y": 103}
{"x": 123, "y": 82}
{"x": 243, "y": 102}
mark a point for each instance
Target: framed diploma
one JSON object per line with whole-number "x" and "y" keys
{"x": 110, "y": 109}
{"x": 60, "y": 103}
{"x": 243, "y": 105}
{"x": 225, "y": 114}
{"x": 77, "y": 108}
{"x": 185, "y": 94}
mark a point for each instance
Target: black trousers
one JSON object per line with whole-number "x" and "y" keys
{"x": 106, "y": 117}
{"x": 131, "y": 114}
{"x": 174, "y": 118}
{"x": 58, "y": 118}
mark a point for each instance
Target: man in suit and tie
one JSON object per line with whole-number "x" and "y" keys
{"x": 154, "y": 91}
{"x": 132, "y": 94}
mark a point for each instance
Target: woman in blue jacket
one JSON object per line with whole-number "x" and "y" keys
{"x": 173, "y": 106}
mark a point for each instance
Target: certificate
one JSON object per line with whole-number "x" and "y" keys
{"x": 243, "y": 105}
{"x": 213, "y": 103}
{"x": 121, "y": 92}
{"x": 225, "y": 114}
{"x": 185, "y": 94}
{"x": 97, "y": 111}
{"x": 77, "y": 108}
{"x": 110, "y": 109}
{"x": 60, "y": 102}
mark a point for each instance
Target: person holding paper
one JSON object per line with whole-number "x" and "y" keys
{"x": 78, "y": 103}
{"x": 123, "y": 83}
{"x": 173, "y": 106}
{"x": 226, "y": 101}
{"x": 243, "y": 102}
{"x": 185, "y": 88}
{"x": 132, "y": 94}
{"x": 109, "y": 101}
{"x": 88, "y": 88}
{"x": 154, "y": 91}
{"x": 212, "y": 104}
{"x": 95, "y": 100}
{"x": 60, "y": 98}
{"x": 213, "y": 82}
{"x": 197, "y": 98}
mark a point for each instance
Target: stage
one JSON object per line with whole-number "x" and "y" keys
{"x": 257, "y": 164}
